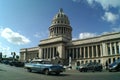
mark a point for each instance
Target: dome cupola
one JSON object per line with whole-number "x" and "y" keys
{"x": 60, "y": 19}
{"x": 60, "y": 26}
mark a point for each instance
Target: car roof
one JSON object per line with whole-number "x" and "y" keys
{"x": 40, "y": 60}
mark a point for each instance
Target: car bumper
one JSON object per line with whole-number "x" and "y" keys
{"x": 57, "y": 70}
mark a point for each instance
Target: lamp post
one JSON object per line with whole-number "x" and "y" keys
{"x": 13, "y": 54}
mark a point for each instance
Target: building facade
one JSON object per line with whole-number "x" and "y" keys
{"x": 104, "y": 49}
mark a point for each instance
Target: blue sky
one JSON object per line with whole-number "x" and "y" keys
{"x": 23, "y": 23}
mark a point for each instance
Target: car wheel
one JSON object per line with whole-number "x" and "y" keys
{"x": 80, "y": 70}
{"x": 84, "y": 70}
{"x": 57, "y": 73}
{"x": 29, "y": 70}
{"x": 46, "y": 71}
{"x": 110, "y": 70}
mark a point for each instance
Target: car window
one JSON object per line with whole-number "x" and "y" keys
{"x": 47, "y": 62}
{"x": 36, "y": 62}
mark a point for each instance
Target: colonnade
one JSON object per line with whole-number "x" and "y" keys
{"x": 83, "y": 52}
{"x": 59, "y": 30}
{"x": 49, "y": 53}
{"x": 113, "y": 48}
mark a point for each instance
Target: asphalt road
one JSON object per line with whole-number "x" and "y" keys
{"x": 15, "y": 73}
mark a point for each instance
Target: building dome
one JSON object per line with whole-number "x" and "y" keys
{"x": 60, "y": 19}
{"x": 60, "y": 26}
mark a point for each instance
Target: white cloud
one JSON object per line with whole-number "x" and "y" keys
{"x": 13, "y": 37}
{"x": 90, "y": 2}
{"x": 86, "y": 35}
{"x": 110, "y": 17}
{"x": 41, "y": 34}
{"x": 106, "y": 4}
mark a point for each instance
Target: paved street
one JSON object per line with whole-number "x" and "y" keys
{"x": 15, "y": 73}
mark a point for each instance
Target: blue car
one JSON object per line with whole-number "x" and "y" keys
{"x": 44, "y": 66}
{"x": 115, "y": 66}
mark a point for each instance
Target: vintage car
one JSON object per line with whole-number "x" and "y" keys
{"x": 44, "y": 66}
{"x": 115, "y": 66}
{"x": 90, "y": 67}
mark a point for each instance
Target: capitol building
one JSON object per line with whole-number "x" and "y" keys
{"x": 104, "y": 49}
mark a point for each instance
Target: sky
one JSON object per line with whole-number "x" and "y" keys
{"x": 23, "y": 23}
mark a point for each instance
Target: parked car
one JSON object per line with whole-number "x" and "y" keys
{"x": 5, "y": 61}
{"x": 16, "y": 63}
{"x": 44, "y": 66}
{"x": 115, "y": 66}
{"x": 92, "y": 66}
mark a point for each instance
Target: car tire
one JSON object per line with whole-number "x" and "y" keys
{"x": 46, "y": 72}
{"x": 57, "y": 73}
{"x": 85, "y": 70}
{"x": 110, "y": 70}
{"x": 29, "y": 70}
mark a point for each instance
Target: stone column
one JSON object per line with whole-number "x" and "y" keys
{"x": 92, "y": 52}
{"x": 111, "y": 48}
{"x": 96, "y": 50}
{"x": 84, "y": 53}
{"x": 101, "y": 51}
{"x": 88, "y": 52}
{"x": 80, "y": 53}
{"x": 40, "y": 53}
{"x": 50, "y": 53}
{"x": 115, "y": 47}
{"x": 76, "y": 53}
{"x": 24, "y": 56}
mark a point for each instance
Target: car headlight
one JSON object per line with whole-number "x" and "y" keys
{"x": 81, "y": 66}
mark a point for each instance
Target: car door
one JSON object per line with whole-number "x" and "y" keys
{"x": 37, "y": 66}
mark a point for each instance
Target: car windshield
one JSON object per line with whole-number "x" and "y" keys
{"x": 47, "y": 62}
{"x": 116, "y": 62}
